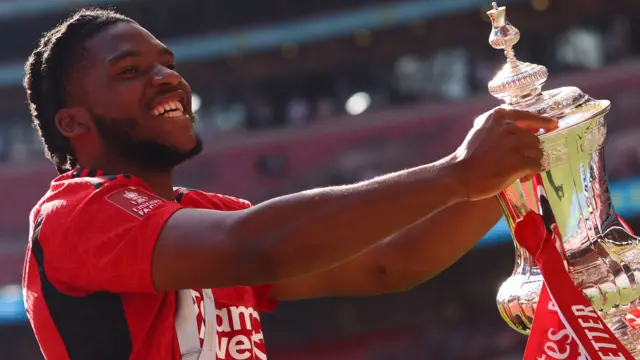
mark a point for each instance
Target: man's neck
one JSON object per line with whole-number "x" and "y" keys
{"x": 160, "y": 182}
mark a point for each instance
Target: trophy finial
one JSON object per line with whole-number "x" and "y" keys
{"x": 503, "y": 35}
{"x": 517, "y": 81}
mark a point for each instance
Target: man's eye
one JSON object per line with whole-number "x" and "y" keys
{"x": 171, "y": 66}
{"x": 129, "y": 71}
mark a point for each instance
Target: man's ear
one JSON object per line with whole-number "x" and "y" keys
{"x": 73, "y": 122}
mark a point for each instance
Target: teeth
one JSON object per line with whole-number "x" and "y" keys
{"x": 174, "y": 113}
{"x": 169, "y": 109}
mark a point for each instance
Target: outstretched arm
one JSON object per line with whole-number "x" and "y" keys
{"x": 296, "y": 234}
{"x": 403, "y": 261}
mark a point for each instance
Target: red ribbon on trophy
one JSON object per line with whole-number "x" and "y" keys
{"x": 565, "y": 325}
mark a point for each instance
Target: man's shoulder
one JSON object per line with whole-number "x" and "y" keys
{"x": 214, "y": 201}
{"x": 70, "y": 191}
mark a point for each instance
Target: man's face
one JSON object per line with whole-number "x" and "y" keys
{"x": 140, "y": 106}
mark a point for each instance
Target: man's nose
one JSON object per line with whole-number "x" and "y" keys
{"x": 164, "y": 76}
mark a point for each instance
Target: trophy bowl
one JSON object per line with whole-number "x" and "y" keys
{"x": 571, "y": 194}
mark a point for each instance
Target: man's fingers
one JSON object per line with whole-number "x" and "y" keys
{"x": 536, "y": 123}
{"x": 535, "y": 153}
{"x": 532, "y": 167}
{"x": 525, "y": 119}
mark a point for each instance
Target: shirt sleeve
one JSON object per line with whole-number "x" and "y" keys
{"x": 104, "y": 240}
{"x": 263, "y": 301}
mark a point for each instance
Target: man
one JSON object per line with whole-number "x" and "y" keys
{"x": 118, "y": 258}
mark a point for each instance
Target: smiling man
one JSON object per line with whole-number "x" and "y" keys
{"x": 122, "y": 265}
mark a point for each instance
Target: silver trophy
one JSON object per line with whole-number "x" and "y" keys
{"x": 603, "y": 258}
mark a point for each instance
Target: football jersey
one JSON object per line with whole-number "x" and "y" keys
{"x": 88, "y": 287}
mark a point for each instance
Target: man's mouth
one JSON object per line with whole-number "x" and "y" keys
{"x": 168, "y": 108}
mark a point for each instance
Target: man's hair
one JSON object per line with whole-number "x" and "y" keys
{"x": 47, "y": 73}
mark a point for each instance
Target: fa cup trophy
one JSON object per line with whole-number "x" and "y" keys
{"x": 600, "y": 253}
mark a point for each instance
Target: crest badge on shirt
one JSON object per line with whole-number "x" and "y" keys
{"x": 134, "y": 200}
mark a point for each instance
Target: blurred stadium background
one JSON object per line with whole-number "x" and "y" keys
{"x": 295, "y": 94}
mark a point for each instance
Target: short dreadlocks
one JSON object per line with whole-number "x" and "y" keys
{"x": 47, "y": 72}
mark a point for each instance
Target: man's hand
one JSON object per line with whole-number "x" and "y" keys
{"x": 500, "y": 148}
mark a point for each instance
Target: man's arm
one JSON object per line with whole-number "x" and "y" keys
{"x": 311, "y": 231}
{"x": 296, "y": 234}
{"x": 405, "y": 260}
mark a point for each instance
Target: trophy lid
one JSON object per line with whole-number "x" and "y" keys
{"x": 519, "y": 84}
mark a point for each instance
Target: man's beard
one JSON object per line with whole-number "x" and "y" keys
{"x": 145, "y": 154}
